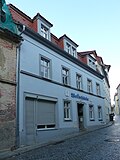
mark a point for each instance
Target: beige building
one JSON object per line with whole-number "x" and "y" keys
{"x": 8, "y": 44}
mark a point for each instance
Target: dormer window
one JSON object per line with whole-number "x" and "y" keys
{"x": 73, "y": 52}
{"x": 43, "y": 27}
{"x": 91, "y": 63}
{"x": 44, "y": 31}
{"x": 68, "y": 47}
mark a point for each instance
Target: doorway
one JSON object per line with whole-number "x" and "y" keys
{"x": 80, "y": 115}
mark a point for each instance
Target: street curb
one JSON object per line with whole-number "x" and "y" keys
{"x": 8, "y": 154}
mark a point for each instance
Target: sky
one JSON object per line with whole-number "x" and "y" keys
{"x": 92, "y": 24}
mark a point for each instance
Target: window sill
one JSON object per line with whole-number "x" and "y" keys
{"x": 90, "y": 93}
{"x": 67, "y": 120}
{"x": 47, "y": 79}
{"x": 45, "y": 129}
{"x": 92, "y": 119}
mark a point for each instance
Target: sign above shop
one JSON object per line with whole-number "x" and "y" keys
{"x": 73, "y": 95}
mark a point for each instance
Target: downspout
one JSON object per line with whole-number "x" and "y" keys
{"x": 17, "y": 143}
{"x": 21, "y": 29}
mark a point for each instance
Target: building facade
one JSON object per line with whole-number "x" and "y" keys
{"x": 96, "y": 62}
{"x": 117, "y": 101}
{"x": 58, "y": 93}
{"x": 8, "y": 44}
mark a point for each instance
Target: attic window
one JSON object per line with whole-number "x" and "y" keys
{"x": 73, "y": 52}
{"x": 92, "y": 64}
{"x": 68, "y": 47}
{"x": 44, "y": 31}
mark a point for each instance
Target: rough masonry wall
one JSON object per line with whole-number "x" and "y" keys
{"x": 7, "y": 94}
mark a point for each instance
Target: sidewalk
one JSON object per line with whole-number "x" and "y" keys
{"x": 7, "y": 153}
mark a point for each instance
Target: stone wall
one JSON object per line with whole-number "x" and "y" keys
{"x": 7, "y": 93}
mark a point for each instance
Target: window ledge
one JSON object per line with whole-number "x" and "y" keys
{"x": 46, "y": 129}
{"x": 67, "y": 120}
{"x": 92, "y": 119}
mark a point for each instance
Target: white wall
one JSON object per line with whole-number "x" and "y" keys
{"x": 29, "y": 62}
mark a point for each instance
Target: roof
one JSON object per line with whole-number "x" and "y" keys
{"x": 20, "y": 12}
{"x": 84, "y": 53}
{"x": 5, "y": 33}
{"x": 65, "y": 36}
{"x": 27, "y": 17}
{"x": 39, "y": 15}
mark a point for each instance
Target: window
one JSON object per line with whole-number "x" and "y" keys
{"x": 45, "y": 67}
{"x": 44, "y": 31}
{"x": 45, "y": 114}
{"x": 78, "y": 81}
{"x": 73, "y": 52}
{"x": 89, "y": 86}
{"x": 68, "y": 47}
{"x": 67, "y": 115}
{"x": 92, "y": 64}
{"x": 99, "y": 113}
{"x": 97, "y": 89}
{"x": 65, "y": 76}
{"x": 91, "y": 112}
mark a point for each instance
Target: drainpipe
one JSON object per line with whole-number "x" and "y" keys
{"x": 17, "y": 144}
{"x": 21, "y": 29}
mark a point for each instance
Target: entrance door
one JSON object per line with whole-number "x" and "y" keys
{"x": 30, "y": 120}
{"x": 80, "y": 115}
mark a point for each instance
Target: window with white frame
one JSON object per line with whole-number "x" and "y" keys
{"x": 89, "y": 85}
{"x": 92, "y": 64}
{"x": 79, "y": 81}
{"x": 65, "y": 76}
{"x": 45, "y": 67}
{"x": 73, "y": 52}
{"x": 67, "y": 110}
{"x": 99, "y": 112}
{"x": 97, "y": 89}
{"x": 91, "y": 112}
{"x": 68, "y": 46}
{"x": 44, "y": 31}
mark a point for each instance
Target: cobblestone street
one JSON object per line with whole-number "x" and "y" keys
{"x": 101, "y": 144}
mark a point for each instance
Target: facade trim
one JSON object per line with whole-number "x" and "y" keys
{"x": 7, "y": 82}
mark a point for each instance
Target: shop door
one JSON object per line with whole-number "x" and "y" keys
{"x": 80, "y": 115}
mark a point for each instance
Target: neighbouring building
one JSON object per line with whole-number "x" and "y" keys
{"x": 96, "y": 62}
{"x": 58, "y": 93}
{"x": 8, "y": 44}
{"x": 117, "y": 101}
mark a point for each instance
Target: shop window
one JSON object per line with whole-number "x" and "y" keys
{"x": 45, "y": 114}
{"x": 91, "y": 112}
{"x": 99, "y": 113}
{"x": 67, "y": 110}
